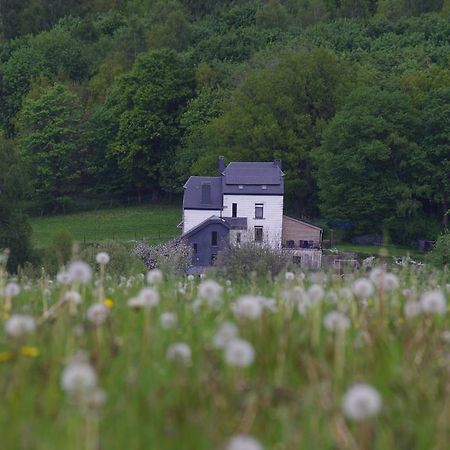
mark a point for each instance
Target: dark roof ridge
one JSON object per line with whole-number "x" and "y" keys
{"x": 213, "y": 218}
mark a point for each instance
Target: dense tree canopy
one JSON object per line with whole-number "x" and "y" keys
{"x": 130, "y": 97}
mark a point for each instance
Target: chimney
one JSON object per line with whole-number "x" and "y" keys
{"x": 221, "y": 165}
{"x": 277, "y": 162}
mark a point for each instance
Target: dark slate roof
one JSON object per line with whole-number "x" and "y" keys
{"x": 263, "y": 178}
{"x": 212, "y": 219}
{"x": 236, "y": 223}
{"x": 193, "y": 193}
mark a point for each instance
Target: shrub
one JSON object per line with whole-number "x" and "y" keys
{"x": 59, "y": 252}
{"x": 241, "y": 260}
{"x": 174, "y": 256}
{"x": 123, "y": 261}
{"x": 440, "y": 256}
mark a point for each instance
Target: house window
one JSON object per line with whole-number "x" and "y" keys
{"x": 206, "y": 193}
{"x": 214, "y": 238}
{"x": 238, "y": 238}
{"x": 258, "y": 234}
{"x": 195, "y": 248}
{"x": 234, "y": 210}
{"x": 259, "y": 211}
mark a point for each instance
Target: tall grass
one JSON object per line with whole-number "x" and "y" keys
{"x": 288, "y": 398}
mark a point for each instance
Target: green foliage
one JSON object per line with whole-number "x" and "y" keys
{"x": 15, "y": 230}
{"x": 122, "y": 261}
{"x": 279, "y": 111}
{"x": 369, "y": 164}
{"x": 440, "y": 255}
{"x": 50, "y": 140}
{"x": 249, "y": 260}
{"x": 147, "y": 105}
{"x": 59, "y": 252}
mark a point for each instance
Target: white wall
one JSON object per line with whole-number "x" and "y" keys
{"x": 194, "y": 217}
{"x": 272, "y": 222}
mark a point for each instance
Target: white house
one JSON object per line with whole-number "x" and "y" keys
{"x": 244, "y": 202}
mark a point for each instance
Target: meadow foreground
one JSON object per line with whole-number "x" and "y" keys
{"x": 308, "y": 361}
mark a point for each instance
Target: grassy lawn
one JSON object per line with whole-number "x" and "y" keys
{"x": 153, "y": 222}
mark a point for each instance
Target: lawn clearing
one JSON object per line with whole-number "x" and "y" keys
{"x": 154, "y": 223}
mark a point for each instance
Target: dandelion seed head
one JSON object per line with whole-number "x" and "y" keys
{"x": 149, "y": 297}
{"x": 63, "y": 278}
{"x": 210, "y": 289}
{"x": 336, "y": 321}
{"x": 168, "y": 320}
{"x": 224, "y": 334}
{"x": 97, "y": 313}
{"x": 72, "y": 297}
{"x": 179, "y": 351}
{"x": 433, "y": 302}
{"x": 362, "y": 288}
{"x": 289, "y": 276}
{"x": 79, "y": 272}
{"x": 78, "y": 377}
{"x": 243, "y": 442}
{"x": 361, "y": 402}
{"x": 154, "y": 276}
{"x": 248, "y": 306}
{"x": 315, "y": 293}
{"x": 19, "y": 325}
{"x": 11, "y": 290}
{"x": 102, "y": 258}
{"x": 239, "y": 353}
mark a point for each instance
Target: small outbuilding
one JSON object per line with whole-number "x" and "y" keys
{"x": 298, "y": 234}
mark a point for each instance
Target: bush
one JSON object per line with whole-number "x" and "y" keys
{"x": 241, "y": 260}
{"x": 58, "y": 253}
{"x": 123, "y": 261}
{"x": 440, "y": 256}
{"x": 174, "y": 256}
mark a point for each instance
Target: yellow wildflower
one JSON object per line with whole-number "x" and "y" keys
{"x": 6, "y": 356}
{"x": 108, "y": 302}
{"x": 30, "y": 352}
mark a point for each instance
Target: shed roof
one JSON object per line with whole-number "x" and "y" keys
{"x": 193, "y": 193}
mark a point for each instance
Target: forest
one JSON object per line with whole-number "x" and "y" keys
{"x": 130, "y": 97}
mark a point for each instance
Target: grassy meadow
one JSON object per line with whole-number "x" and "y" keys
{"x": 155, "y": 223}
{"x": 88, "y": 362}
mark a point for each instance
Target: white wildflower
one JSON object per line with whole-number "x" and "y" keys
{"x": 168, "y": 320}
{"x": 209, "y": 289}
{"x": 361, "y": 402}
{"x": 224, "y": 334}
{"x": 269, "y": 304}
{"x": 18, "y": 325}
{"x": 289, "y": 276}
{"x": 72, "y": 297}
{"x": 248, "y": 306}
{"x": 97, "y": 313}
{"x": 63, "y": 278}
{"x": 11, "y": 290}
{"x": 190, "y": 277}
{"x": 412, "y": 309}
{"x": 433, "y": 302}
{"x": 79, "y": 272}
{"x": 336, "y": 321}
{"x": 149, "y": 297}
{"x": 239, "y": 353}
{"x": 303, "y": 305}
{"x": 243, "y": 442}
{"x": 154, "y": 276}
{"x": 315, "y": 293}
{"x": 102, "y": 258}
{"x": 179, "y": 352}
{"x": 362, "y": 288}
{"x": 78, "y": 377}
{"x": 382, "y": 280}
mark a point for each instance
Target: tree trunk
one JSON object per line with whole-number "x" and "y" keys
{"x": 446, "y": 213}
